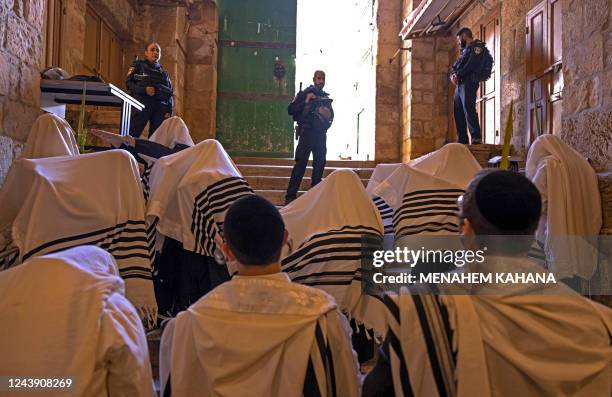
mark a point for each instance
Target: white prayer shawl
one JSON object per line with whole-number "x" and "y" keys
{"x": 332, "y": 228}
{"x": 453, "y": 162}
{"x": 50, "y": 136}
{"x": 259, "y": 336}
{"x": 572, "y": 202}
{"x": 64, "y": 315}
{"x": 543, "y": 341}
{"x": 380, "y": 173}
{"x": 190, "y": 193}
{"x": 171, "y": 132}
{"x": 452, "y": 165}
{"x": 56, "y": 203}
{"x": 421, "y": 203}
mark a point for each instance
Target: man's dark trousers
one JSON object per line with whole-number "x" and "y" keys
{"x": 310, "y": 141}
{"x": 153, "y": 113}
{"x": 465, "y": 112}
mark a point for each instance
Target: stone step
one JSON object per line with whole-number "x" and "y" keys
{"x": 279, "y": 182}
{"x": 285, "y": 170}
{"x": 291, "y": 162}
{"x": 276, "y": 197}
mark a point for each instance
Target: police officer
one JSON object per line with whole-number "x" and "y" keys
{"x": 466, "y": 76}
{"x": 150, "y": 84}
{"x": 312, "y": 110}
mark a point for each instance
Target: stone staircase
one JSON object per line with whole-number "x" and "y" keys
{"x": 269, "y": 177}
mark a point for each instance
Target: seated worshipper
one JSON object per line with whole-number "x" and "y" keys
{"x": 170, "y": 137}
{"x": 380, "y": 173}
{"x": 493, "y": 339}
{"x": 332, "y": 228}
{"x": 569, "y": 229}
{"x": 57, "y": 203}
{"x": 258, "y": 334}
{"x": 190, "y": 193}
{"x": 50, "y": 136}
{"x": 65, "y": 318}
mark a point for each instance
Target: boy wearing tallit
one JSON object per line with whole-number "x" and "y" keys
{"x": 65, "y": 318}
{"x": 477, "y": 340}
{"x": 258, "y": 334}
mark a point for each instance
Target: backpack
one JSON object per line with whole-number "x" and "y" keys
{"x": 486, "y": 69}
{"x": 322, "y": 113}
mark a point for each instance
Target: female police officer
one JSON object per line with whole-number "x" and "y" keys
{"x": 150, "y": 84}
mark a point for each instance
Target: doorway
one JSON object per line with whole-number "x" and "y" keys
{"x": 488, "y": 101}
{"x": 544, "y": 69}
{"x": 339, "y": 37}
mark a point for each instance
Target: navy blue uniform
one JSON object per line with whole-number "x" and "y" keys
{"x": 468, "y": 68}
{"x": 311, "y": 140}
{"x": 148, "y": 74}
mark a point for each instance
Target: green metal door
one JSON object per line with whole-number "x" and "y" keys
{"x": 256, "y": 76}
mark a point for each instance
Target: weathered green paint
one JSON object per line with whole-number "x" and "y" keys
{"x": 252, "y": 103}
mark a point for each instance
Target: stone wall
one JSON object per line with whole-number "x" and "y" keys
{"x": 201, "y": 71}
{"x": 425, "y": 92}
{"x": 587, "y": 71}
{"x": 21, "y": 22}
{"x": 388, "y": 139}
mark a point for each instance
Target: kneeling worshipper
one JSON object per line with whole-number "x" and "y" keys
{"x": 380, "y": 173}
{"x": 50, "y": 136}
{"x": 569, "y": 228}
{"x": 490, "y": 338}
{"x": 258, "y": 334}
{"x": 190, "y": 194}
{"x": 334, "y": 228}
{"x": 423, "y": 193}
{"x": 170, "y": 137}
{"x": 65, "y": 320}
{"x": 56, "y": 203}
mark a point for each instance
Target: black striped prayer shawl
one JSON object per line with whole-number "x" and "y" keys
{"x": 421, "y": 354}
{"x": 209, "y": 210}
{"x": 428, "y": 211}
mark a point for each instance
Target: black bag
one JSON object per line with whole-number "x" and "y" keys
{"x": 487, "y": 65}
{"x": 322, "y": 113}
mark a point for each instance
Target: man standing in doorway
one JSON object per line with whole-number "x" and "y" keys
{"x": 150, "y": 83}
{"x": 313, "y": 112}
{"x": 466, "y": 76}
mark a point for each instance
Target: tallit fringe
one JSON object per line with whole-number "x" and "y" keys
{"x": 148, "y": 314}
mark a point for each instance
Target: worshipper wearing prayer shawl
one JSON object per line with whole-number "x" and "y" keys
{"x": 190, "y": 193}
{"x": 495, "y": 339}
{"x": 50, "y": 136}
{"x": 65, "y": 316}
{"x": 329, "y": 240}
{"x": 444, "y": 175}
{"x": 569, "y": 229}
{"x": 258, "y": 334}
{"x": 56, "y": 203}
{"x": 422, "y": 194}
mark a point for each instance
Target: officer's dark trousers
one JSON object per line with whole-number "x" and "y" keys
{"x": 310, "y": 141}
{"x": 465, "y": 112}
{"x": 153, "y": 113}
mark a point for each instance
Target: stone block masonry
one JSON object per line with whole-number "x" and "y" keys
{"x": 21, "y": 24}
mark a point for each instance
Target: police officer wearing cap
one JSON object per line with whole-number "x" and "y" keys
{"x": 465, "y": 75}
{"x": 150, "y": 84}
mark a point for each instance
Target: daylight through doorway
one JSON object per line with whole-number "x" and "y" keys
{"x": 339, "y": 37}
